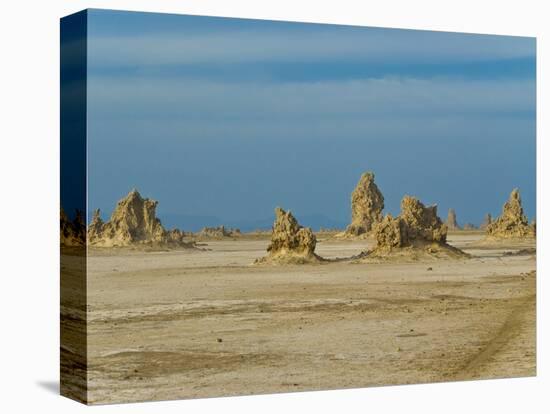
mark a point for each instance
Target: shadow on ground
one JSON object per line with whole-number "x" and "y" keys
{"x": 50, "y": 386}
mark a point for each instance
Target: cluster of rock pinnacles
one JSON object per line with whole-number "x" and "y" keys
{"x": 133, "y": 222}
{"x": 416, "y": 228}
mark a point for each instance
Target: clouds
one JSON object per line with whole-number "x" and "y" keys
{"x": 185, "y": 68}
{"x": 312, "y": 43}
{"x": 228, "y": 71}
{"x": 181, "y": 99}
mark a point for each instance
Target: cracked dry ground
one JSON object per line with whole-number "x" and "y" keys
{"x": 188, "y": 324}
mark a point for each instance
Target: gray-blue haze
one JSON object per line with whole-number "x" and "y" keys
{"x": 221, "y": 120}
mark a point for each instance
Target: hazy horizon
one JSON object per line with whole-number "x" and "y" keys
{"x": 222, "y": 120}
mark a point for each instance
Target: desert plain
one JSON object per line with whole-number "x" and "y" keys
{"x": 207, "y": 322}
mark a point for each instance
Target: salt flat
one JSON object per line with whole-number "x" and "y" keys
{"x": 202, "y": 323}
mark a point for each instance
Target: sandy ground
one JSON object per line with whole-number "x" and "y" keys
{"x": 183, "y": 324}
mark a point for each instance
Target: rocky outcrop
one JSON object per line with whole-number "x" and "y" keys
{"x": 512, "y": 223}
{"x": 415, "y": 232}
{"x": 367, "y": 203}
{"x": 177, "y": 237}
{"x": 391, "y": 233}
{"x": 451, "y": 220}
{"x": 133, "y": 222}
{"x": 487, "y": 219}
{"x": 218, "y": 232}
{"x": 95, "y": 228}
{"x": 290, "y": 242}
{"x": 469, "y": 226}
{"x": 422, "y": 223}
{"x": 72, "y": 232}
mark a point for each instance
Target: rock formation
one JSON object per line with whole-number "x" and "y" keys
{"x": 290, "y": 242}
{"x": 133, "y": 222}
{"x": 487, "y": 219}
{"x": 72, "y": 233}
{"x": 95, "y": 229}
{"x": 416, "y": 231}
{"x": 367, "y": 203}
{"x": 451, "y": 220}
{"x": 177, "y": 236}
{"x": 329, "y": 230}
{"x": 469, "y": 226}
{"x": 218, "y": 232}
{"x": 512, "y": 223}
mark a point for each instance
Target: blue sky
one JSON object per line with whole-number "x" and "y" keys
{"x": 222, "y": 120}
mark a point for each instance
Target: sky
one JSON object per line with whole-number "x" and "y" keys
{"x": 221, "y": 120}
